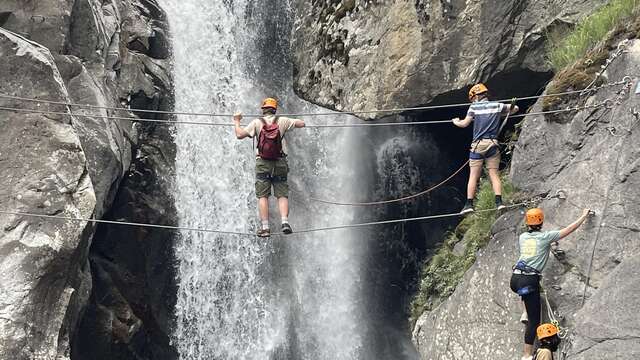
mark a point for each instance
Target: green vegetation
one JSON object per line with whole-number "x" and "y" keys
{"x": 578, "y": 56}
{"x": 566, "y": 50}
{"x": 443, "y": 272}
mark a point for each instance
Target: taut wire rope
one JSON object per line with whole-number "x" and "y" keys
{"x": 344, "y": 125}
{"x": 223, "y": 232}
{"x": 334, "y": 113}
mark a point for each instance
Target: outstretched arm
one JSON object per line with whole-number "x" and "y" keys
{"x": 463, "y": 123}
{"x": 575, "y": 225}
{"x": 240, "y": 132}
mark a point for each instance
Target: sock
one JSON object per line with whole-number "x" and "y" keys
{"x": 469, "y": 202}
{"x": 265, "y": 224}
{"x": 498, "y": 199}
{"x": 285, "y": 220}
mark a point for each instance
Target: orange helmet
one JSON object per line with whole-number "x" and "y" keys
{"x": 546, "y": 330}
{"x": 477, "y": 89}
{"x": 534, "y": 216}
{"x": 270, "y": 103}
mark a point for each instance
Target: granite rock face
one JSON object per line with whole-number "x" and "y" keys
{"x": 363, "y": 55}
{"x": 585, "y": 159}
{"x": 43, "y": 263}
{"x": 105, "y": 54}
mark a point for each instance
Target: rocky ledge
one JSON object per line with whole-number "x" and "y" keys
{"x": 363, "y": 55}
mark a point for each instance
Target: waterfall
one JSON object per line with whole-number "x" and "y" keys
{"x": 240, "y": 297}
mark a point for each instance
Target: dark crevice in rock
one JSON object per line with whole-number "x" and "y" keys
{"x": 159, "y": 44}
{"x": 4, "y": 17}
{"x": 135, "y": 265}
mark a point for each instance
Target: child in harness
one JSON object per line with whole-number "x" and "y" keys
{"x": 535, "y": 246}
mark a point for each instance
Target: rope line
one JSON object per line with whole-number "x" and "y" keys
{"x": 391, "y": 110}
{"x": 223, "y": 232}
{"x": 353, "y": 125}
{"x": 404, "y": 198}
{"x": 562, "y": 331}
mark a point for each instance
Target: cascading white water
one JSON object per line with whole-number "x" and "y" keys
{"x": 240, "y": 297}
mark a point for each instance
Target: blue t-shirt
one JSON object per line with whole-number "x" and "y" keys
{"x": 535, "y": 247}
{"x": 486, "y": 119}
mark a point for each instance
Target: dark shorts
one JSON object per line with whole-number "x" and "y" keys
{"x": 272, "y": 173}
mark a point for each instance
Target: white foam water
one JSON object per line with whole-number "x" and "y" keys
{"x": 240, "y": 297}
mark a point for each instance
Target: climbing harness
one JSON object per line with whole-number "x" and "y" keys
{"x": 270, "y": 177}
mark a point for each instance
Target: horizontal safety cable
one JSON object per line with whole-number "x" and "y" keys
{"x": 626, "y": 79}
{"x": 228, "y": 124}
{"x": 223, "y": 232}
{"x": 391, "y": 201}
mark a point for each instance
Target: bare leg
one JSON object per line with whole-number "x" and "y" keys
{"x": 474, "y": 175}
{"x": 263, "y": 208}
{"x": 494, "y": 175}
{"x": 283, "y": 206}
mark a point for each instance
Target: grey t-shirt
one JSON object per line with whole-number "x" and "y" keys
{"x": 535, "y": 247}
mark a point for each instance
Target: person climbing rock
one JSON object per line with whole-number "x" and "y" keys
{"x": 534, "y": 246}
{"x": 271, "y": 160}
{"x": 549, "y": 342}
{"x": 485, "y": 116}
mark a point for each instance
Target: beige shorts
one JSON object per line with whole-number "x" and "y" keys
{"x": 481, "y": 147}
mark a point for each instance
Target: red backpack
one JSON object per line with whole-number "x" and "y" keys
{"x": 270, "y": 141}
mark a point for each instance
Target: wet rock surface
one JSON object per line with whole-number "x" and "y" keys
{"x": 111, "y": 54}
{"x": 588, "y": 158}
{"x": 364, "y": 55}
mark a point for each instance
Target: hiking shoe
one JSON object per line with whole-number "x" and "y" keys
{"x": 263, "y": 233}
{"x": 501, "y": 207}
{"x": 524, "y": 318}
{"x": 286, "y": 229}
{"x": 468, "y": 208}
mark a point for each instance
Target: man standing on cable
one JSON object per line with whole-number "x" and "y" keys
{"x": 271, "y": 161}
{"x": 534, "y": 246}
{"x": 485, "y": 116}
